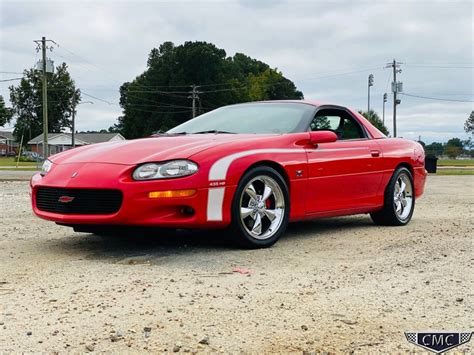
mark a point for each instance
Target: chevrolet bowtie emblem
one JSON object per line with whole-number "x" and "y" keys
{"x": 65, "y": 199}
{"x": 74, "y": 174}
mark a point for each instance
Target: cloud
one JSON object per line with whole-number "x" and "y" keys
{"x": 328, "y": 48}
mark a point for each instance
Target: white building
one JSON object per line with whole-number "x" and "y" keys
{"x": 59, "y": 142}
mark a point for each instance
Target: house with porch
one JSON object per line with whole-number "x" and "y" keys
{"x": 8, "y": 144}
{"x": 59, "y": 142}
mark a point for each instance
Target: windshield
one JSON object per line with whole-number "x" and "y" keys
{"x": 250, "y": 118}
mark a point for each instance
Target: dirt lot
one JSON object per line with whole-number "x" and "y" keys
{"x": 330, "y": 285}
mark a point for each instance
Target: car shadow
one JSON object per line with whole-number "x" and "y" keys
{"x": 137, "y": 245}
{"x": 314, "y": 228}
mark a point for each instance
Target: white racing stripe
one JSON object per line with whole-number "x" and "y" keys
{"x": 218, "y": 172}
{"x": 215, "y": 198}
{"x": 219, "y": 169}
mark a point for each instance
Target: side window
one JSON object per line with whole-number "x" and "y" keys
{"x": 338, "y": 121}
{"x": 350, "y": 130}
{"x": 322, "y": 123}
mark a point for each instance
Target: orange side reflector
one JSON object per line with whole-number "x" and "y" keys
{"x": 171, "y": 193}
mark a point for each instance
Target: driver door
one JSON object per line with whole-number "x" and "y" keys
{"x": 346, "y": 174}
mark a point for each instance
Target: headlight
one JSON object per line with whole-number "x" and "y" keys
{"x": 47, "y": 165}
{"x": 170, "y": 169}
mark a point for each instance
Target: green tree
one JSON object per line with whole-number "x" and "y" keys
{"x": 434, "y": 148}
{"x": 26, "y": 99}
{"x": 374, "y": 118}
{"x": 456, "y": 142}
{"x": 453, "y": 147}
{"x": 5, "y": 113}
{"x": 452, "y": 151}
{"x": 158, "y": 99}
{"x": 469, "y": 124}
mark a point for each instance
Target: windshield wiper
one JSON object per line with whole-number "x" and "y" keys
{"x": 215, "y": 131}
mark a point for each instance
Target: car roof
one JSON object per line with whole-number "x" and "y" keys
{"x": 308, "y": 102}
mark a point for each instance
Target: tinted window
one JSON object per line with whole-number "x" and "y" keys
{"x": 338, "y": 121}
{"x": 251, "y": 118}
{"x": 350, "y": 130}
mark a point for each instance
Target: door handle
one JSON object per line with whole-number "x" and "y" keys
{"x": 375, "y": 153}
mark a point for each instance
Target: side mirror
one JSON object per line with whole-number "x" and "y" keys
{"x": 316, "y": 137}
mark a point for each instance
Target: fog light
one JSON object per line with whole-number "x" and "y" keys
{"x": 171, "y": 193}
{"x": 188, "y": 211}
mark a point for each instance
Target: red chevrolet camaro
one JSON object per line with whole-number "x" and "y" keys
{"x": 251, "y": 168}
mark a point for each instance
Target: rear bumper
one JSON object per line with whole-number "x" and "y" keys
{"x": 137, "y": 208}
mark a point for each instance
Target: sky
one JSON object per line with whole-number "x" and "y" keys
{"x": 327, "y": 48}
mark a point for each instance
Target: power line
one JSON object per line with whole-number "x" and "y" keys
{"x": 239, "y": 88}
{"x": 162, "y": 105}
{"x": 4, "y": 80}
{"x": 157, "y": 105}
{"x": 342, "y": 74}
{"x": 160, "y": 112}
{"x": 440, "y": 66}
{"x": 79, "y": 57}
{"x": 10, "y": 72}
{"x": 98, "y": 98}
{"x": 435, "y": 98}
{"x": 159, "y": 91}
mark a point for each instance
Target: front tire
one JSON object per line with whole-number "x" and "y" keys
{"x": 399, "y": 200}
{"x": 260, "y": 208}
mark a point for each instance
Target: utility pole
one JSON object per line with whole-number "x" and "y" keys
{"x": 43, "y": 45}
{"x": 370, "y": 84}
{"x": 396, "y": 87}
{"x": 194, "y": 96}
{"x": 45, "y": 100}
{"x": 394, "y": 65}
{"x": 383, "y": 110}
{"x": 73, "y": 123}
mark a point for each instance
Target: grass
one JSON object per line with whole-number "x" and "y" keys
{"x": 20, "y": 168}
{"x": 9, "y": 161}
{"x": 454, "y": 172}
{"x": 456, "y": 162}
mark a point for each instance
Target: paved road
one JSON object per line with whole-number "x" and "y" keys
{"x": 16, "y": 175}
{"x": 337, "y": 285}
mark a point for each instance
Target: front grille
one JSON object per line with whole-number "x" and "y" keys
{"x": 78, "y": 201}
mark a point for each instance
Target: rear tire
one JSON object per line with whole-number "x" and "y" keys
{"x": 399, "y": 200}
{"x": 260, "y": 208}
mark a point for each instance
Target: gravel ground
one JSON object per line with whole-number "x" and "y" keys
{"x": 337, "y": 285}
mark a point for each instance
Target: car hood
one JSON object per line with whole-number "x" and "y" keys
{"x": 138, "y": 151}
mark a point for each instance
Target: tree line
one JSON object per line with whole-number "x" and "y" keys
{"x": 453, "y": 148}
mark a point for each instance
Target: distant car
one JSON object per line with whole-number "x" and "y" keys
{"x": 32, "y": 155}
{"x": 251, "y": 168}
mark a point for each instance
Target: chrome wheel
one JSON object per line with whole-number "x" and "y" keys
{"x": 262, "y": 207}
{"x": 403, "y": 197}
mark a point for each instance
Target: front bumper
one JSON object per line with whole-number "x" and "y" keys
{"x": 137, "y": 208}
